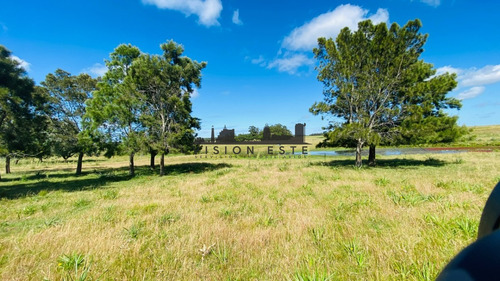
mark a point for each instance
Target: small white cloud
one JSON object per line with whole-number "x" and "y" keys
{"x": 329, "y": 25}
{"x": 449, "y": 69}
{"x": 291, "y": 63}
{"x": 236, "y": 17}
{"x": 96, "y": 70}
{"x": 195, "y": 93}
{"x": 487, "y": 75}
{"x": 433, "y": 3}
{"x": 22, "y": 63}
{"x": 208, "y": 11}
{"x": 471, "y": 93}
{"x": 259, "y": 61}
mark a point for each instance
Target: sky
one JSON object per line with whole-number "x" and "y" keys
{"x": 260, "y": 66}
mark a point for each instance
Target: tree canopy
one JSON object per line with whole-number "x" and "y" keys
{"x": 21, "y": 111}
{"x": 379, "y": 90}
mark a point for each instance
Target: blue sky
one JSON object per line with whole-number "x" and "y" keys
{"x": 259, "y": 53}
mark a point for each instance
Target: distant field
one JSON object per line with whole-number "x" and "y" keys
{"x": 478, "y": 137}
{"x": 242, "y": 219}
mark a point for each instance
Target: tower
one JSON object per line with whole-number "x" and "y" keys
{"x": 300, "y": 132}
{"x": 212, "y": 138}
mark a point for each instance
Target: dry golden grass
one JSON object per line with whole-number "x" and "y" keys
{"x": 243, "y": 219}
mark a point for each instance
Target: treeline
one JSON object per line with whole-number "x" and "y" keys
{"x": 254, "y": 133}
{"x": 142, "y": 103}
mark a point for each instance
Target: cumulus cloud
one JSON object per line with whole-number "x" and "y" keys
{"x": 236, "y": 17}
{"x": 473, "y": 78}
{"x": 96, "y": 70}
{"x": 291, "y": 63}
{"x": 471, "y": 93}
{"x": 296, "y": 47}
{"x": 208, "y": 11}
{"x": 487, "y": 75}
{"x": 329, "y": 24}
{"x": 22, "y": 63}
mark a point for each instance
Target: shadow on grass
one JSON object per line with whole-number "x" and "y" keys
{"x": 389, "y": 163}
{"x": 68, "y": 181}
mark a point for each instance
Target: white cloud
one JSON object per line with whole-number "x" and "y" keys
{"x": 291, "y": 63}
{"x": 449, "y": 69}
{"x": 236, "y": 17}
{"x": 260, "y": 61}
{"x": 22, "y": 63}
{"x": 329, "y": 25}
{"x": 96, "y": 70}
{"x": 195, "y": 93}
{"x": 475, "y": 77}
{"x": 4, "y": 27}
{"x": 208, "y": 11}
{"x": 470, "y": 93}
{"x": 433, "y": 3}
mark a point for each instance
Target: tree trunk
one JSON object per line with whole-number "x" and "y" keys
{"x": 359, "y": 148}
{"x": 371, "y": 156}
{"x": 79, "y": 163}
{"x": 152, "y": 162}
{"x": 162, "y": 164}
{"x": 7, "y": 164}
{"x": 131, "y": 171}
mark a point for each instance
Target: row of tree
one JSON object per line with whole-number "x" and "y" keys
{"x": 254, "y": 133}
{"x": 379, "y": 91}
{"x": 141, "y": 103}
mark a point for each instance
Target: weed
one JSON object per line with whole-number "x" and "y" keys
{"x": 74, "y": 266}
{"x": 222, "y": 253}
{"x": 109, "y": 194}
{"x": 267, "y": 221}
{"x": 29, "y": 210}
{"x": 317, "y": 234}
{"x": 467, "y": 227}
{"x": 82, "y": 203}
{"x": 52, "y": 222}
{"x": 133, "y": 231}
{"x": 382, "y": 181}
{"x": 168, "y": 219}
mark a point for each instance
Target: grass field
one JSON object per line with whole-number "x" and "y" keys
{"x": 479, "y": 136}
{"x": 242, "y": 219}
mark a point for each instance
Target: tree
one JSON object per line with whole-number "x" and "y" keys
{"x": 378, "y": 88}
{"x": 165, "y": 84}
{"x": 279, "y": 130}
{"x": 254, "y": 133}
{"x": 18, "y": 110}
{"x": 68, "y": 95}
{"x": 116, "y": 109}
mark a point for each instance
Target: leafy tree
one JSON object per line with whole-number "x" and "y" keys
{"x": 378, "y": 88}
{"x": 254, "y": 133}
{"x": 280, "y": 130}
{"x": 165, "y": 84}
{"x": 19, "y": 111}
{"x": 116, "y": 108}
{"x": 68, "y": 95}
